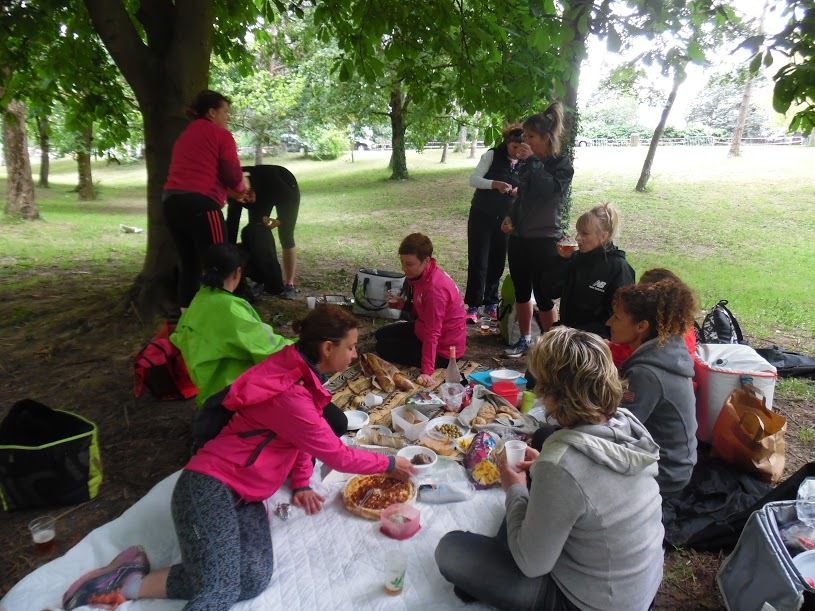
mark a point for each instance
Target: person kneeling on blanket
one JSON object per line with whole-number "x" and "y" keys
{"x": 217, "y": 504}
{"x": 588, "y": 534}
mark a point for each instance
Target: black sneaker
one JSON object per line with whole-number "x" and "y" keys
{"x": 289, "y": 292}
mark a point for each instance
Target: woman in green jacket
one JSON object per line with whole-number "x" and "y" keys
{"x": 220, "y": 335}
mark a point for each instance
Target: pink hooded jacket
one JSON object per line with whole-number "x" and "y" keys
{"x": 440, "y": 316}
{"x": 284, "y": 395}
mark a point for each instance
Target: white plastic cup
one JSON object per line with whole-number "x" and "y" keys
{"x": 452, "y": 394}
{"x": 514, "y": 451}
{"x": 372, "y": 400}
{"x": 311, "y": 302}
{"x": 44, "y": 534}
{"x": 395, "y": 566}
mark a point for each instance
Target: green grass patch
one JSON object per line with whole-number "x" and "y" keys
{"x": 796, "y": 388}
{"x": 806, "y": 434}
{"x": 737, "y": 229}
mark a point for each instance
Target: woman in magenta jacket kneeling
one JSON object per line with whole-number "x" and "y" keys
{"x": 438, "y": 312}
{"x": 217, "y": 505}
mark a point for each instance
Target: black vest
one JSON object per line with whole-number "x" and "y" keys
{"x": 490, "y": 201}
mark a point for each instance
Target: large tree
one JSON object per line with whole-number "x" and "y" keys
{"x": 163, "y": 49}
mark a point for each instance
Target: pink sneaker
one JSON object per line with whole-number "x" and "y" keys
{"x": 104, "y": 585}
{"x": 471, "y": 316}
{"x": 491, "y": 311}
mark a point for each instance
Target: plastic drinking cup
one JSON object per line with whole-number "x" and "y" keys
{"x": 514, "y": 451}
{"x": 44, "y": 534}
{"x": 311, "y": 302}
{"x": 395, "y": 566}
{"x": 452, "y": 395}
{"x": 372, "y": 400}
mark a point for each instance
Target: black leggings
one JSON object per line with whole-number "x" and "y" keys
{"x": 486, "y": 255}
{"x": 398, "y": 343}
{"x": 536, "y": 267}
{"x": 195, "y": 223}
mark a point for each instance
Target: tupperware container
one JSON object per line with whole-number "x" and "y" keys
{"x": 507, "y": 390}
{"x": 411, "y": 431}
{"x": 400, "y": 521}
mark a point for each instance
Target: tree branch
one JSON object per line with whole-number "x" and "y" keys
{"x": 111, "y": 21}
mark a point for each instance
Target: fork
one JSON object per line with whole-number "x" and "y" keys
{"x": 368, "y": 495}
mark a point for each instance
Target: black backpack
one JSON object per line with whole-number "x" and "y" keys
{"x": 213, "y": 416}
{"x": 719, "y": 327}
{"x": 788, "y": 363}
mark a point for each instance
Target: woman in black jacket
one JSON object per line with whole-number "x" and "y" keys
{"x": 594, "y": 273}
{"x": 533, "y": 222}
{"x": 495, "y": 180}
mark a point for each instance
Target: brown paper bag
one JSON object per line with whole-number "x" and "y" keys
{"x": 750, "y": 436}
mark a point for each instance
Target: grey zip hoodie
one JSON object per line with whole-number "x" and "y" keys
{"x": 660, "y": 395}
{"x": 593, "y": 517}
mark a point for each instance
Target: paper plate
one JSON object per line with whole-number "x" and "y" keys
{"x": 356, "y": 419}
{"x": 805, "y": 563}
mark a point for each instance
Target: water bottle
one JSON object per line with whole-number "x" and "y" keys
{"x": 805, "y": 503}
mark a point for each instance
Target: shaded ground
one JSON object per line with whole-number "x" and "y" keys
{"x": 77, "y": 354}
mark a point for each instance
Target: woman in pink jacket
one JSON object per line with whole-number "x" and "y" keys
{"x": 217, "y": 505}
{"x": 438, "y": 311}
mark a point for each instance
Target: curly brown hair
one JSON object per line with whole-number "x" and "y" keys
{"x": 668, "y": 306}
{"x": 575, "y": 372}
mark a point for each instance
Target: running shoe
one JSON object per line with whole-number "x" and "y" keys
{"x": 491, "y": 311}
{"x": 518, "y": 349}
{"x": 471, "y": 316}
{"x": 289, "y": 292}
{"x": 97, "y": 586}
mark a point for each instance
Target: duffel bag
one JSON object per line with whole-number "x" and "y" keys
{"x": 48, "y": 457}
{"x": 370, "y": 290}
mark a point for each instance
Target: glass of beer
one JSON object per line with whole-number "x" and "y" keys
{"x": 566, "y": 246}
{"x": 44, "y": 534}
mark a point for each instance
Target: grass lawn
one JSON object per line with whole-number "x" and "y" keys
{"x": 737, "y": 229}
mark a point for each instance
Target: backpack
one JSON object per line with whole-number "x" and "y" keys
{"x": 48, "y": 457}
{"x": 213, "y": 416}
{"x": 507, "y": 320}
{"x": 160, "y": 367}
{"x": 788, "y": 363}
{"x": 719, "y": 327}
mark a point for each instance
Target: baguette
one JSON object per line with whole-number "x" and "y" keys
{"x": 385, "y": 382}
{"x": 402, "y": 382}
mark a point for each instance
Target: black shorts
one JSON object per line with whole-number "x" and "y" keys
{"x": 536, "y": 267}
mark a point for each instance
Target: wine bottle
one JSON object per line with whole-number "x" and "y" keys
{"x": 452, "y": 375}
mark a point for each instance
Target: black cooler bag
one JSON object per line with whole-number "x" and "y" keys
{"x": 47, "y": 457}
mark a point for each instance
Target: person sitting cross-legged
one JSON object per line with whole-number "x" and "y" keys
{"x": 588, "y": 533}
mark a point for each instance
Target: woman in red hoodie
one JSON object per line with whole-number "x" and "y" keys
{"x": 440, "y": 321}
{"x": 217, "y": 505}
{"x": 204, "y": 169}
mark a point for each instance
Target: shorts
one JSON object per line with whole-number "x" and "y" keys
{"x": 536, "y": 268}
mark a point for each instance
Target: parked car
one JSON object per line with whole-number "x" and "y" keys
{"x": 294, "y": 144}
{"x": 363, "y": 144}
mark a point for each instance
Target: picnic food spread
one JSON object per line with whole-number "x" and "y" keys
{"x": 368, "y": 495}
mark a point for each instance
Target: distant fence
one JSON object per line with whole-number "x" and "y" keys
{"x": 689, "y": 141}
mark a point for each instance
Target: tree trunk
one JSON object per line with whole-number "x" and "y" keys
{"x": 576, "y": 53}
{"x": 462, "y": 139}
{"x": 738, "y": 132}
{"x": 474, "y": 143}
{"x": 446, "y": 146}
{"x": 259, "y": 150}
{"x": 642, "y": 183}
{"x": 83, "y": 160}
{"x": 398, "y": 106}
{"x": 165, "y": 74}
{"x": 20, "y": 182}
{"x": 45, "y": 149}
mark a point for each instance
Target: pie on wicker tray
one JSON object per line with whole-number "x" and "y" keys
{"x": 387, "y": 491}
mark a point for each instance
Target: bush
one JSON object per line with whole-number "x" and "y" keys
{"x": 327, "y": 143}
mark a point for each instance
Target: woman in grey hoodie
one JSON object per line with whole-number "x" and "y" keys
{"x": 651, "y": 319}
{"x": 588, "y": 534}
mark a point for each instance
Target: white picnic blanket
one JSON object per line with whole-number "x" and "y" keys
{"x": 331, "y": 560}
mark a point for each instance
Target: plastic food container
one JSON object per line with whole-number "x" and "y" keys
{"x": 410, "y": 451}
{"x": 399, "y": 521}
{"x": 507, "y": 390}
{"x": 411, "y": 431}
{"x": 504, "y": 375}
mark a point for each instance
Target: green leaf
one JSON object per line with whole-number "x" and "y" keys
{"x": 768, "y": 59}
{"x": 613, "y": 42}
{"x": 755, "y": 64}
{"x": 695, "y": 52}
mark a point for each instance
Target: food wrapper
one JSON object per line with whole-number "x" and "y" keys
{"x": 481, "y": 461}
{"x": 425, "y": 402}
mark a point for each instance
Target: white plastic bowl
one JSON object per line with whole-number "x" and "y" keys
{"x": 356, "y": 419}
{"x": 410, "y": 451}
{"x": 504, "y": 375}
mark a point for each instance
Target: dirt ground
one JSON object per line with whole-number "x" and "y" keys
{"x": 76, "y": 353}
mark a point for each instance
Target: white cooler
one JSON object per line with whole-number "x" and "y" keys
{"x": 719, "y": 368}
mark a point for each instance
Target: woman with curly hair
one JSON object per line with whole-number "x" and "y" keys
{"x": 652, "y": 320}
{"x": 588, "y": 533}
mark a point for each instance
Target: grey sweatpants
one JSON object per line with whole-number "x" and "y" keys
{"x": 226, "y": 545}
